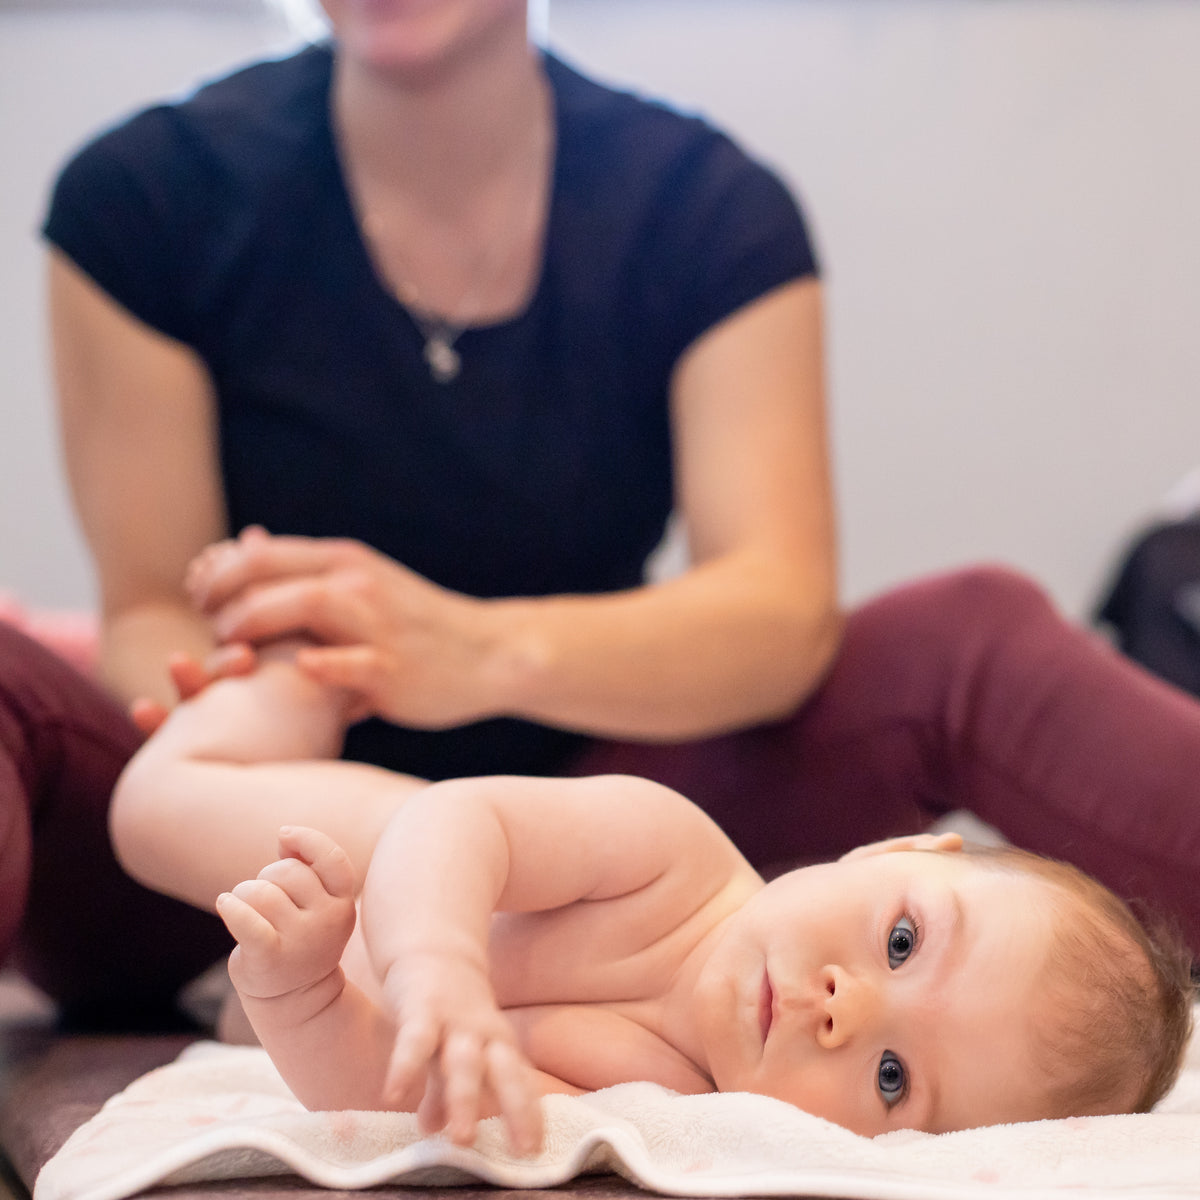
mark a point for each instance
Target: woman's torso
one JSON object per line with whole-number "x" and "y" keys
{"x": 545, "y": 467}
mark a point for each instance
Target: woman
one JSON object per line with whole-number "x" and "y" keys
{"x": 465, "y": 326}
{"x": 302, "y": 238}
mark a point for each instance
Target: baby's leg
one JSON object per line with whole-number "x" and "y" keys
{"x": 199, "y": 807}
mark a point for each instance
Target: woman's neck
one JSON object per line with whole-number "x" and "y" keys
{"x": 449, "y": 170}
{"x": 446, "y": 131}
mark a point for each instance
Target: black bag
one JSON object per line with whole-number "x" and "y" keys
{"x": 1153, "y": 608}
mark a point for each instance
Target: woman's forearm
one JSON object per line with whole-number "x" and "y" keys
{"x": 136, "y": 643}
{"x": 727, "y": 644}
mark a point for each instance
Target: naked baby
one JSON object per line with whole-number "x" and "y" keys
{"x": 523, "y": 936}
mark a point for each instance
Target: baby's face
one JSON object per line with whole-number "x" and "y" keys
{"x": 897, "y": 991}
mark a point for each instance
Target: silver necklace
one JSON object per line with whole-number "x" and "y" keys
{"x": 440, "y": 354}
{"x": 441, "y": 333}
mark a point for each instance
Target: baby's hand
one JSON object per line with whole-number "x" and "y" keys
{"x": 457, "y": 1050}
{"x": 293, "y": 921}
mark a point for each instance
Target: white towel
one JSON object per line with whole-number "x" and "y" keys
{"x": 222, "y": 1112}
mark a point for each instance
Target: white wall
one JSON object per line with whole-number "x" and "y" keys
{"x": 63, "y": 75}
{"x": 1004, "y": 193}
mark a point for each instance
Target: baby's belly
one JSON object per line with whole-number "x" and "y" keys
{"x": 591, "y": 1046}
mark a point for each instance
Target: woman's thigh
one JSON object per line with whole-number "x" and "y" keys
{"x": 106, "y": 948}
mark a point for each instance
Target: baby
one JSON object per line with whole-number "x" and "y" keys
{"x": 524, "y": 936}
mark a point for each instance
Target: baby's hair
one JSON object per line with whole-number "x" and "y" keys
{"x": 1120, "y": 989}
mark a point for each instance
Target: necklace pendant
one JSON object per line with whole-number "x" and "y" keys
{"x": 444, "y": 361}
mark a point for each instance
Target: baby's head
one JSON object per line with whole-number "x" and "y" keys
{"x": 1117, "y": 994}
{"x": 912, "y": 986}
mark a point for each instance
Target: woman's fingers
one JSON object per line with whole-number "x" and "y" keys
{"x": 148, "y": 714}
{"x": 190, "y": 677}
{"x": 307, "y": 605}
{"x": 356, "y": 668}
{"x": 231, "y": 659}
{"x": 229, "y": 568}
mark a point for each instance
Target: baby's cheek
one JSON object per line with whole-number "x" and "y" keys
{"x": 824, "y": 1087}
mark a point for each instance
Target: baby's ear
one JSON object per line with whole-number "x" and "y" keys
{"x": 917, "y": 841}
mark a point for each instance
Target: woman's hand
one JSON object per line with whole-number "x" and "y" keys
{"x": 191, "y": 676}
{"x": 740, "y": 637}
{"x": 413, "y": 652}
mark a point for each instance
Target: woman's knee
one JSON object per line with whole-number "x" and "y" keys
{"x": 989, "y": 592}
{"x": 970, "y": 603}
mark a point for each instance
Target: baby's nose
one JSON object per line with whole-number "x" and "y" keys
{"x": 849, "y": 1005}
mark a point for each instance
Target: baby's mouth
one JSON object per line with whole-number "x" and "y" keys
{"x": 766, "y": 1006}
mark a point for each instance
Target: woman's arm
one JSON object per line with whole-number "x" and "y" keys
{"x": 748, "y": 630}
{"x": 741, "y": 637}
{"x": 137, "y": 418}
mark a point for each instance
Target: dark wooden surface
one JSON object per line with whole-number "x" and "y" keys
{"x": 51, "y": 1084}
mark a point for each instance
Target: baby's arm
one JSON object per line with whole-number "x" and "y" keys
{"x": 459, "y": 852}
{"x": 199, "y": 807}
{"x": 329, "y": 1039}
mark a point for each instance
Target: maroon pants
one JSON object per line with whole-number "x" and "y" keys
{"x": 966, "y": 691}
{"x": 962, "y": 691}
{"x": 110, "y": 951}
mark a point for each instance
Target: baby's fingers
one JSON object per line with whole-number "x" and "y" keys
{"x": 462, "y": 1071}
{"x": 431, "y": 1112}
{"x": 512, "y": 1083}
{"x": 329, "y": 862}
{"x": 415, "y": 1049}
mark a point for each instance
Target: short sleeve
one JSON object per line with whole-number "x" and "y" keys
{"x": 114, "y": 211}
{"x": 729, "y": 232}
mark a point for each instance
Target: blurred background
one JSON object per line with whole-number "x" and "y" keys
{"x": 1004, "y": 194}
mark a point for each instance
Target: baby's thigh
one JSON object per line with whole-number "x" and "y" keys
{"x": 357, "y": 965}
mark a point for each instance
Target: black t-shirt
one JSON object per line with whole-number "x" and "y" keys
{"x": 223, "y": 221}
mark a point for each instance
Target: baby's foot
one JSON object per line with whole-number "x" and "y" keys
{"x": 292, "y": 922}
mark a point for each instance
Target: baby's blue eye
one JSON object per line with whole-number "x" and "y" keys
{"x": 902, "y": 941}
{"x": 892, "y": 1082}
